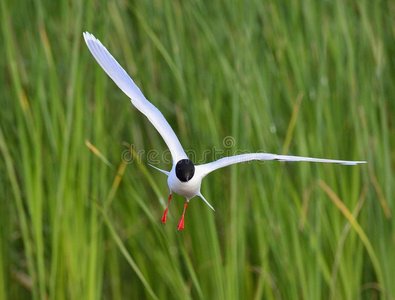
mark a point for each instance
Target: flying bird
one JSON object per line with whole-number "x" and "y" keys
{"x": 184, "y": 178}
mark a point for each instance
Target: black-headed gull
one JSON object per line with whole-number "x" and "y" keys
{"x": 184, "y": 177}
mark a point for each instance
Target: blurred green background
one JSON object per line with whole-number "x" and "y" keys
{"x": 311, "y": 78}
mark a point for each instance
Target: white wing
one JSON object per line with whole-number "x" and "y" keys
{"x": 226, "y": 161}
{"x": 126, "y": 84}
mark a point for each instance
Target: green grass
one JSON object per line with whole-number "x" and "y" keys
{"x": 305, "y": 78}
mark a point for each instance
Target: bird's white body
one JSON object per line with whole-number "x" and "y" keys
{"x": 188, "y": 181}
{"x": 189, "y": 189}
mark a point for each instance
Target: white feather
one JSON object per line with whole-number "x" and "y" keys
{"x": 126, "y": 84}
{"x": 204, "y": 199}
{"x": 226, "y": 161}
{"x": 160, "y": 170}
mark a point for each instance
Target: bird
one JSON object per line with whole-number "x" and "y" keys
{"x": 184, "y": 178}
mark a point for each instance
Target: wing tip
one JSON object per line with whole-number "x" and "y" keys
{"x": 89, "y": 37}
{"x": 354, "y": 163}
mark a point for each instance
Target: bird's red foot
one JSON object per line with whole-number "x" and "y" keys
{"x": 181, "y": 224}
{"x": 165, "y": 216}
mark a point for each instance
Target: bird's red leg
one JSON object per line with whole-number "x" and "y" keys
{"x": 181, "y": 223}
{"x": 165, "y": 212}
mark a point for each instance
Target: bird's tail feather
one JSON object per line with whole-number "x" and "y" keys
{"x": 204, "y": 199}
{"x": 163, "y": 171}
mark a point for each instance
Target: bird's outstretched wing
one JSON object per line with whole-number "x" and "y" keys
{"x": 126, "y": 84}
{"x": 226, "y": 161}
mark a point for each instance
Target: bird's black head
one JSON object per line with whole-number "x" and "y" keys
{"x": 185, "y": 169}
